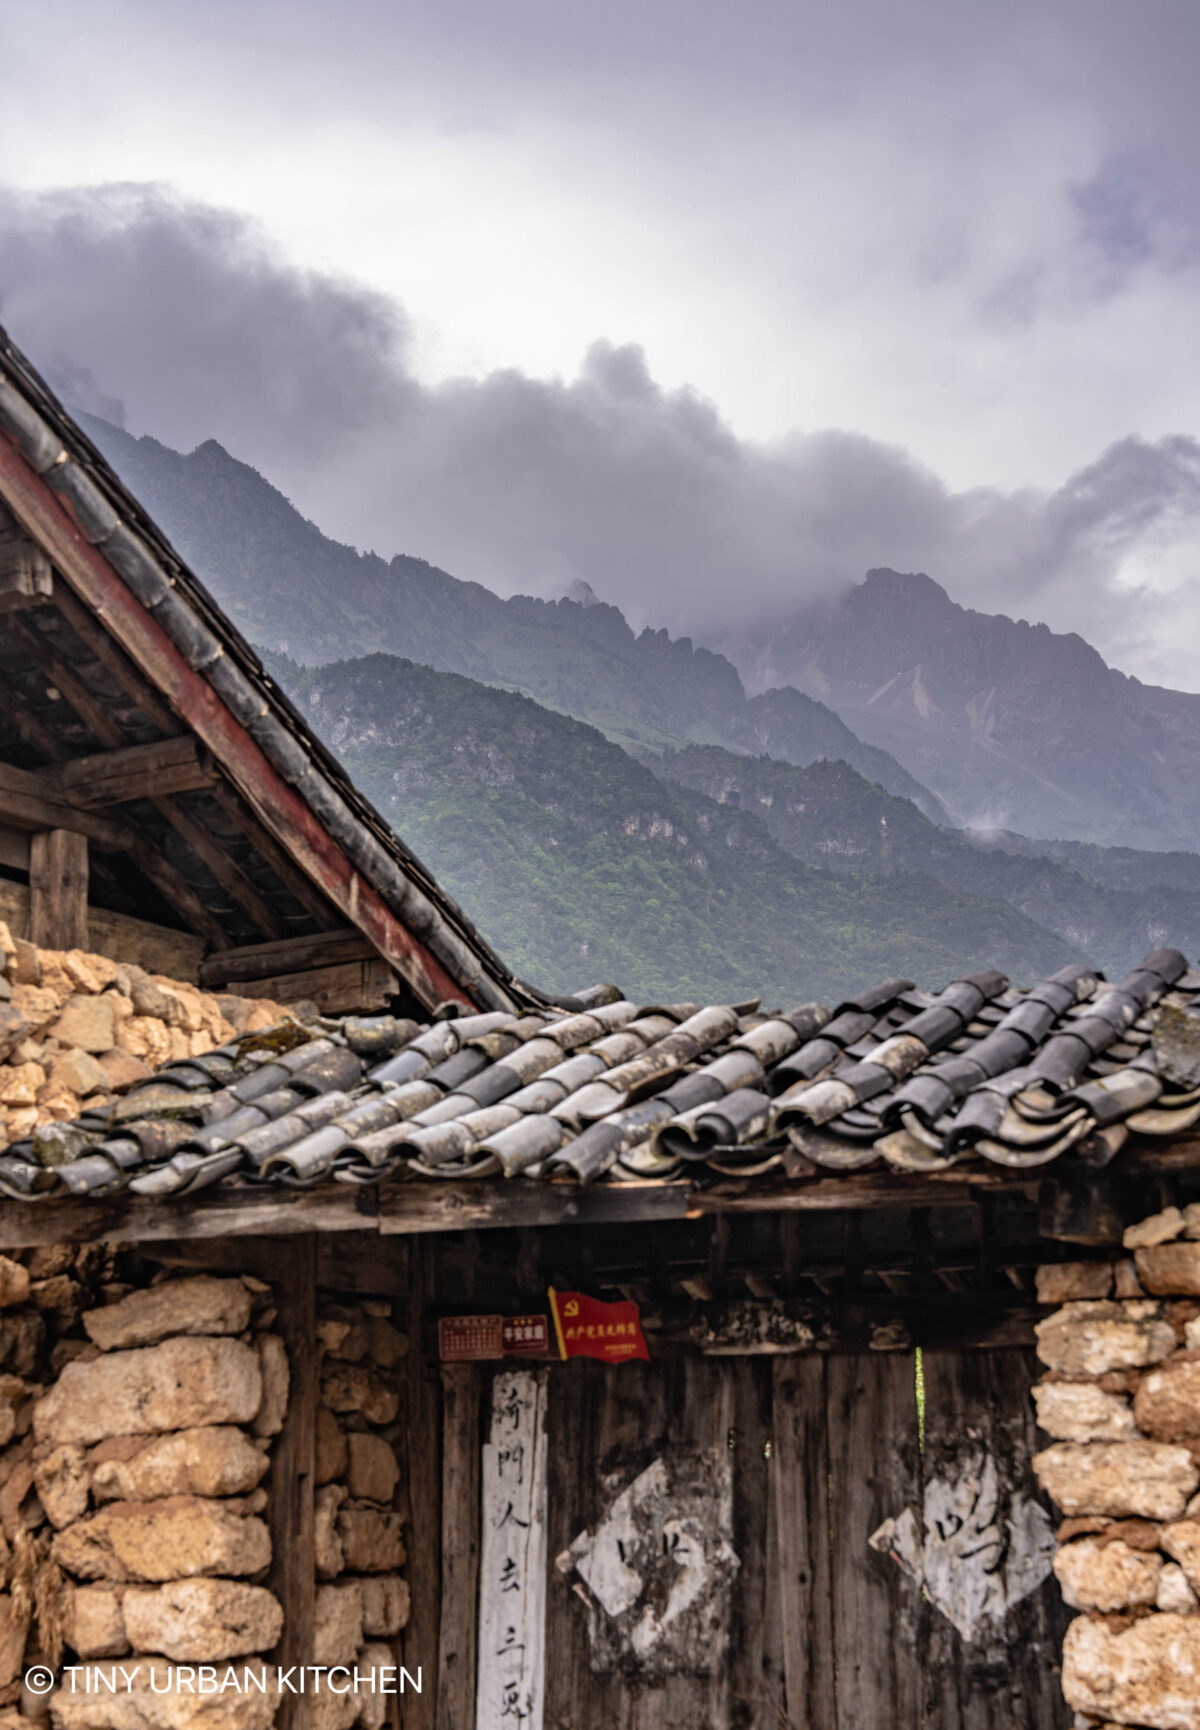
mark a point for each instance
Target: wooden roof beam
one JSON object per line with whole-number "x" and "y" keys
{"x": 134, "y": 772}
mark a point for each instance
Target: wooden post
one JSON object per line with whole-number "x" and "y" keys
{"x": 460, "y": 1545}
{"x": 421, "y": 1425}
{"x": 293, "y": 1473}
{"x": 58, "y": 884}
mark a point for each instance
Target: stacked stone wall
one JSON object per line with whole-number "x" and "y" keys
{"x": 76, "y": 1030}
{"x": 362, "y": 1598}
{"x": 1120, "y": 1400}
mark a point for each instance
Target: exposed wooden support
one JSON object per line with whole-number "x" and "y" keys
{"x": 58, "y": 888}
{"x": 179, "y": 893}
{"x": 116, "y": 662}
{"x": 351, "y": 988}
{"x": 134, "y": 772}
{"x": 14, "y": 848}
{"x": 278, "y": 806}
{"x": 264, "y": 843}
{"x": 205, "y": 845}
{"x": 290, "y": 955}
{"x": 460, "y": 1545}
{"x": 26, "y": 577}
{"x": 292, "y": 1482}
{"x": 27, "y": 803}
{"x": 139, "y": 691}
{"x": 420, "y": 1419}
{"x": 97, "y": 719}
{"x": 32, "y": 729}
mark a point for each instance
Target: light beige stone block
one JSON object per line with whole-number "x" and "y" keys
{"x": 218, "y": 1460}
{"x": 1095, "y": 1575}
{"x": 203, "y": 1621}
{"x": 178, "y": 1385}
{"x": 1157, "y": 1228}
{"x": 1083, "y": 1412}
{"x": 1086, "y": 1339}
{"x": 203, "y": 1305}
{"x": 1149, "y": 1674}
{"x": 1152, "y": 1480}
{"x": 178, "y": 1538}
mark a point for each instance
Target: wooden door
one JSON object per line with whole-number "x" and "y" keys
{"x": 774, "y": 1543}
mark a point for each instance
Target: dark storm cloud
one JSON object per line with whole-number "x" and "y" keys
{"x": 184, "y": 314}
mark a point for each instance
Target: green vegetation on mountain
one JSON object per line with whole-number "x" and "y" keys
{"x": 828, "y": 815}
{"x": 289, "y": 587}
{"x": 580, "y": 864}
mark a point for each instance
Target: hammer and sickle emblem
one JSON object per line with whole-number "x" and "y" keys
{"x": 571, "y": 1309}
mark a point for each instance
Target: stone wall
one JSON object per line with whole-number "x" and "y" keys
{"x": 362, "y": 1598}
{"x": 1120, "y": 1398}
{"x": 138, "y": 1412}
{"x": 76, "y": 1030}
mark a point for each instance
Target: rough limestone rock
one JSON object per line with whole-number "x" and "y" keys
{"x": 1149, "y": 1674}
{"x": 1170, "y": 1269}
{"x": 1086, "y": 1339}
{"x": 343, "y": 1335}
{"x": 1060, "y": 1282}
{"x": 332, "y": 1457}
{"x": 93, "y": 1622}
{"x": 338, "y": 1625}
{"x": 203, "y": 1621}
{"x": 327, "y": 1545}
{"x": 157, "y": 1700}
{"x": 88, "y": 1023}
{"x": 1150, "y": 1479}
{"x": 273, "y": 1356}
{"x": 335, "y": 1707}
{"x": 373, "y": 1701}
{"x": 1099, "y": 1576}
{"x": 372, "y": 1472}
{"x": 1175, "y": 1591}
{"x": 1181, "y": 1541}
{"x": 371, "y": 1540}
{"x": 61, "y": 1481}
{"x": 173, "y": 1539}
{"x": 1083, "y": 1412}
{"x": 183, "y": 1306}
{"x": 1159, "y": 1228}
{"x": 218, "y": 1460}
{"x": 14, "y": 1626}
{"x": 353, "y": 1388}
{"x": 386, "y": 1345}
{"x": 181, "y": 1384}
{"x": 14, "y": 1283}
{"x": 386, "y": 1603}
{"x": 1167, "y": 1404}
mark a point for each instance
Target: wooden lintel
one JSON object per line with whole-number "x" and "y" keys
{"x": 27, "y": 801}
{"x": 58, "y": 890}
{"x": 133, "y": 772}
{"x": 350, "y": 988}
{"x": 290, "y": 955}
{"x": 14, "y": 848}
{"x": 417, "y": 1207}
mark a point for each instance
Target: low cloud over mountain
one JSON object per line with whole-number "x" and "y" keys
{"x": 181, "y": 319}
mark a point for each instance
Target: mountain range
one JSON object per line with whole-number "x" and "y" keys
{"x": 717, "y": 836}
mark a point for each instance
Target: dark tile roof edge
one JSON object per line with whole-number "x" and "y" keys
{"x": 48, "y": 438}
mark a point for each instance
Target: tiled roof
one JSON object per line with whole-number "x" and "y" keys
{"x": 893, "y": 1077}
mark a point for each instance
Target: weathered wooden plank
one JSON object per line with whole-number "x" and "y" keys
{"x": 755, "y": 1664}
{"x": 293, "y": 1473}
{"x": 420, "y": 1421}
{"x": 510, "y": 1659}
{"x": 800, "y": 1472}
{"x": 14, "y": 848}
{"x": 233, "y": 1212}
{"x": 873, "y": 1476}
{"x": 288, "y": 955}
{"x": 995, "y": 1617}
{"x": 459, "y": 1206}
{"x": 28, "y": 802}
{"x": 348, "y": 987}
{"x": 58, "y": 889}
{"x": 460, "y": 1544}
{"x": 133, "y": 772}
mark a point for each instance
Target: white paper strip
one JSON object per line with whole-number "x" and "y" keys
{"x": 512, "y": 1565}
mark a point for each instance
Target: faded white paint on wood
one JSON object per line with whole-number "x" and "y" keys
{"x": 512, "y": 1566}
{"x": 977, "y": 1551}
{"x": 659, "y": 1567}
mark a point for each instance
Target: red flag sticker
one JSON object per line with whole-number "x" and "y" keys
{"x": 587, "y": 1328}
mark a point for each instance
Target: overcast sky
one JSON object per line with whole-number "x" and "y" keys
{"x": 714, "y": 305}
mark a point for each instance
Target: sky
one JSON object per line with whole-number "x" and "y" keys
{"x": 712, "y": 305}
